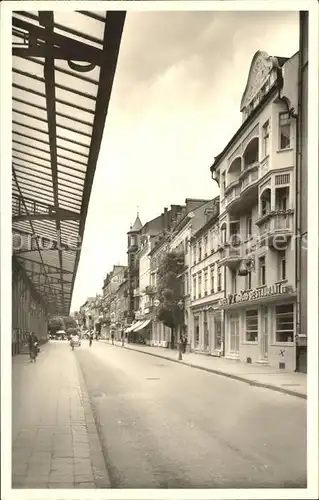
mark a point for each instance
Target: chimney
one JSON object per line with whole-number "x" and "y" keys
{"x": 165, "y": 218}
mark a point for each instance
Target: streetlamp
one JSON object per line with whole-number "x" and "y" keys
{"x": 180, "y": 345}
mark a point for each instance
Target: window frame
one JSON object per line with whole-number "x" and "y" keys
{"x": 252, "y": 330}
{"x": 280, "y": 127}
{"x": 260, "y": 258}
{"x": 265, "y": 138}
{"x": 276, "y": 330}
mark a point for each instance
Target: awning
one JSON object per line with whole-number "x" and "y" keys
{"x": 132, "y": 327}
{"x": 143, "y": 324}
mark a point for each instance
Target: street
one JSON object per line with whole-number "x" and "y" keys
{"x": 165, "y": 425}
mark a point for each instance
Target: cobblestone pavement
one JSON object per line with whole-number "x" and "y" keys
{"x": 54, "y": 438}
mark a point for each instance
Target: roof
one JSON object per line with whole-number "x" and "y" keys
{"x": 63, "y": 70}
{"x": 137, "y": 226}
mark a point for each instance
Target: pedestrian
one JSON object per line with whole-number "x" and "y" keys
{"x": 112, "y": 337}
{"x": 33, "y": 346}
{"x": 122, "y": 337}
{"x": 90, "y": 338}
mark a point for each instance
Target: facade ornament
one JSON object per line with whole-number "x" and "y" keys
{"x": 260, "y": 69}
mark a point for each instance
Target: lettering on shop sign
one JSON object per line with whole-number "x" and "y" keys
{"x": 247, "y": 295}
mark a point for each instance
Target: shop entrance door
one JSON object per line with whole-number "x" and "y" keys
{"x": 234, "y": 334}
{"x": 264, "y": 333}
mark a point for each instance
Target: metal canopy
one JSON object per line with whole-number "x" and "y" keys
{"x": 63, "y": 70}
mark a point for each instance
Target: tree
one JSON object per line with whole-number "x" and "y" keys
{"x": 170, "y": 290}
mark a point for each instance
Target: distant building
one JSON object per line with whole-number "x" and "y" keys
{"x": 256, "y": 173}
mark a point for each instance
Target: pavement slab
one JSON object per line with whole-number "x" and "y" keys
{"x": 52, "y": 442}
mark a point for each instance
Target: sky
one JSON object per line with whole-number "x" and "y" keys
{"x": 174, "y": 106}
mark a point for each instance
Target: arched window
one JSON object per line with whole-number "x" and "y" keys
{"x": 234, "y": 171}
{"x": 223, "y": 233}
{"x": 251, "y": 154}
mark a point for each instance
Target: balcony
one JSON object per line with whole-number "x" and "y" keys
{"x": 249, "y": 177}
{"x": 276, "y": 228}
{"x": 230, "y": 256}
{"x": 150, "y": 290}
{"x": 232, "y": 196}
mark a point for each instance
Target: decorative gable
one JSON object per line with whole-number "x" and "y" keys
{"x": 260, "y": 70}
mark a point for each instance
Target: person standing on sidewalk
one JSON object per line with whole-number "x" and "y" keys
{"x": 112, "y": 337}
{"x": 122, "y": 337}
{"x": 33, "y": 346}
{"x": 90, "y": 338}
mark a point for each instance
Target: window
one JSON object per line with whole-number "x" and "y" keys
{"x": 248, "y": 226}
{"x": 234, "y": 233}
{"x": 284, "y": 130}
{"x": 265, "y": 136}
{"x": 248, "y": 280}
{"x": 205, "y": 282}
{"x": 223, "y": 234}
{"x": 219, "y": 280}
{"x": 205, "y": 245}
{"x": 196, "y": 325}
{"x": 194, "y": 254}
{"x": 285, "y": 323}
{"x": 199, "y": 285}
{"x": 199, "y": 251}
{"x": 233, "y": 282}
{"x": 282, "y": 265}
{"x": 252, "y": 325}
{"x": 194, "y": 287}
{"x": 186, "y": 283}
{"x": 262, "y": 271}
{"x": 223, "y": 183}
{"x": 212, "y": 279}
{"x": 282, "y": 197}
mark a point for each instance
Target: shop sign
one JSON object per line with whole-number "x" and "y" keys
{"x": 247, "y": 295}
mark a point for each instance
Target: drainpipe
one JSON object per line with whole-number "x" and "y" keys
{"x": 298, "y": 158}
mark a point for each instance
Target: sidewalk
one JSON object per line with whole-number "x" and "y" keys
{"x": 291, "y": 383}
{"x": 54, "y": 438}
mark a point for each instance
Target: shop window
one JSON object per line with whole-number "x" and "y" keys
{"x": 218, "y": 333}
{"x": 196, "y": 324}
{"x": 252, "y": 325}
{"x": 262, "y": 271}
{"x": 265, "y": 135}
{"x": 282, "y": 265}
{"x": 284, "y": 131}
{"x": 285, "y": 323}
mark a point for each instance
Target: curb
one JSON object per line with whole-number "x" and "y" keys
{"x": 216, "y": 372}
{"x": 100, "y": 472}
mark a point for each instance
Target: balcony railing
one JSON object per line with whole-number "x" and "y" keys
{"x": 250, "y": 179}
{"x": 230, "y": 256}
{"x": 278, "y": 223}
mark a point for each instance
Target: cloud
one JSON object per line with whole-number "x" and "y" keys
{"x": 174, "y": 106}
